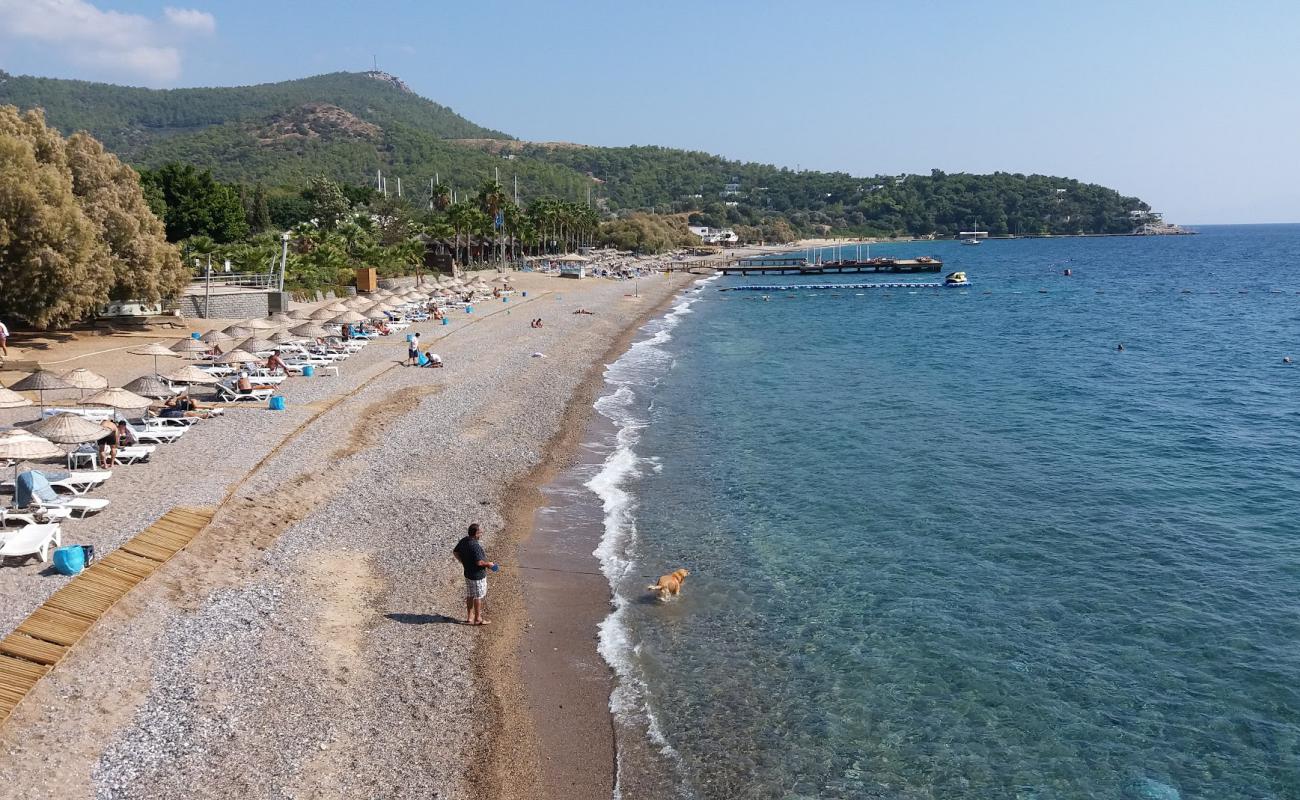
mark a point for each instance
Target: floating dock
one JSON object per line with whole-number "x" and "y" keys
{"x": 794, "y": 287}
{"x": 786, "y": 265}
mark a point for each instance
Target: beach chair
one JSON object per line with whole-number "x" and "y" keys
{"x": 92, "y": 414}
{"x": 89, "y": 453}
{"x": 231, "y": 394}
{"x": 76, "y": 483}
{"x": 79, "y": 507}
{"x": 156, "y": 434}
{"x": 30, "y": 540}
{"x": 11, "y": 517}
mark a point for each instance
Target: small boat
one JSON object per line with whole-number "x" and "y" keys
{"x": 974, "y": 235}
{"x": 956, "y": 279}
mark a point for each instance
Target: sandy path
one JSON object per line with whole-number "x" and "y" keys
{"x": 301, "y": 648}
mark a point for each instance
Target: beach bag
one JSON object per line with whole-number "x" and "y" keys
{"x": 424, "y": 362}
{"x": 69, "y": 560}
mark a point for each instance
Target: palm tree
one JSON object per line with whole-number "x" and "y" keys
{"x": 491, "y": 198}
{"x": 441, "y": 197}
{"x": 461, "y": 217}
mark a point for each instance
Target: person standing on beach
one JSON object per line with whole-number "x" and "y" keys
{"x": 413, "y": 349}
{"x": 474, "y": 561}
{"x": 4, "y": 340}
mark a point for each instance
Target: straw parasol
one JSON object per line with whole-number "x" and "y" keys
{"x": 190, "y": 346}
{"x": 157, "y": 350}
{"x": 501, "y": 279}
{"x": 69, "y": 428}
{"x": 280, "y": 319}
{"x": 256, "y": 345}
{"x": 261, "y": 324}
{"x": 84, "y": 379}
{"x": 571, "y": 258}
{"x": 19, "y": 445}
{"x": 118, "y": 398}
{"x": 41, "y": 381}
{"x": 337, "y": 307}
{"x": 11, "y": 399}
{"x": 322, "y": 313}
{"x": 238, "y": 356}
{"x": 300, "y": 313}
{"x": 356, "y": 302}
{"x": 190, "y": 374}
{"x": 238, "y": 331}
{"x": 348, "y": 317}
{"x": 149, "y": 386}
{"x": 310, "y": 331}
{"x": 215, "y": 337}
{"x": 284, "y": 337}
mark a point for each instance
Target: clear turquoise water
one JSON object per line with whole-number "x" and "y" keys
{"x": 953, "y": 544}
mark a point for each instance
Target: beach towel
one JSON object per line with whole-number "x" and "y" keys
{"x": 32, "y": 484}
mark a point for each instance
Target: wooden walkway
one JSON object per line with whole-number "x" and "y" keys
{"x": 43, "y": 639}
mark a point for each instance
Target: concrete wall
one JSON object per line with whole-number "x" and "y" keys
{"x": 228, "y": 306}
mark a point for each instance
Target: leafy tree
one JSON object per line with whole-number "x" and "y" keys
{"x": 75, "y": 228}
{"x": 328, "y": 202}
{"x": 197, "y": 204}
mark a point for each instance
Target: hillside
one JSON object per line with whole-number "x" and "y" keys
{"x": 346, "y": 126}
{"x": 130, "y": 120}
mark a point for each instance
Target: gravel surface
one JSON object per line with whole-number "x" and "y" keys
{"x": 305, "y": 645}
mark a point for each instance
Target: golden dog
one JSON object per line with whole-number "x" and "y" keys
{"x": 670, "y": 583}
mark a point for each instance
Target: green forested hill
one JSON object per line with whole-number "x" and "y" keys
{"x": 128, "y": 119}
{"x": 344, "y": 126}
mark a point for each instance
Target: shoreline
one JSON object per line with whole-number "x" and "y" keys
{"x": 579, "y": 760}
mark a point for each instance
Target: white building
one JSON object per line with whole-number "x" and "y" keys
{"x": 715, "y": 235}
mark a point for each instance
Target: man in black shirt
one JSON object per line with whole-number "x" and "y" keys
{"x": 471, "y": 556}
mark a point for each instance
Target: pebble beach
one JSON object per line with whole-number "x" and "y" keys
{"x": 307, "y": 644}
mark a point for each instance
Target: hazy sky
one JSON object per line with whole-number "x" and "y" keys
{"x": 1191, "y": 106}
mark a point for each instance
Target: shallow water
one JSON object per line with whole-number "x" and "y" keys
{"x": 952, "y": 544}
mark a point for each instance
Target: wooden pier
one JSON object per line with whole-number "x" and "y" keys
{"x": 787, "y": 265}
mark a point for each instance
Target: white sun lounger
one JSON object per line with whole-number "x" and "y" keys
{"x": 79, "y": 506}
{"x": 12, "y": 516}
{"x": 159, "y": 434}
{"x": 231, "y": 394}
{"x": 31, "y": 540}
{"x": 125, "y": 455}
{"x": 76, "y": 482}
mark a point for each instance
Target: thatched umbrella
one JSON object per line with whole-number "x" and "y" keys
{"x": 280, "y": 319}
{"x": 190, "y": 374}
{"x": 149, "y": 386}
{"x": 256, "y": 345}
{"x": 11, "y": 399}
{"x": 261, "y": 324}
{"x": 42, "y": 381}
{"x": 348, "y": 317}
{"x": 84, "y": 379}
{"x": 216, "y": 337}
{"x": 310, "y": 331}
{"x": 157, "y": 350}
{"x": 336, "y": 307}
{"x": 284, "y": 337}
{"x": 19, "y": 445}
{"x": 300, "y": 313}
{"x": 190, "y": 346}
{"x": 356, "y": 302}
{"x": 118, "y": 398}
{"x": 238, "y": 332}
{"x": 69, "y": 428}
{"x": 238, "y": 356}
{"x": 322, "y": 313}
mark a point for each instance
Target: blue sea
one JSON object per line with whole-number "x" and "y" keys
{"x": 954, "y": 543}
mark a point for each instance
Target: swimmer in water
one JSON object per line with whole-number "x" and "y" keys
{"x": 1120, "y": 347}
{"x": 1286, "y": 359}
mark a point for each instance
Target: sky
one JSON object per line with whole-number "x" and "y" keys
{"x": 1189, "y": 105}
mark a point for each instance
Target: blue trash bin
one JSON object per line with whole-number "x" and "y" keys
{"x": 69, "y": 560}
{"x": 277, "y": 403}
{"x": 446, "y": 321}
{"x": 469, "y": 309}
{"x": 308, "y": 371}
{"x": 195, "y": 335}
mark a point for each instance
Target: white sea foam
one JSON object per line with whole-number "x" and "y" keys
{"x": 641, "y": 367}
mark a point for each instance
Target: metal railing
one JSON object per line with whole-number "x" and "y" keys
{"x": 252, "y": 280}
